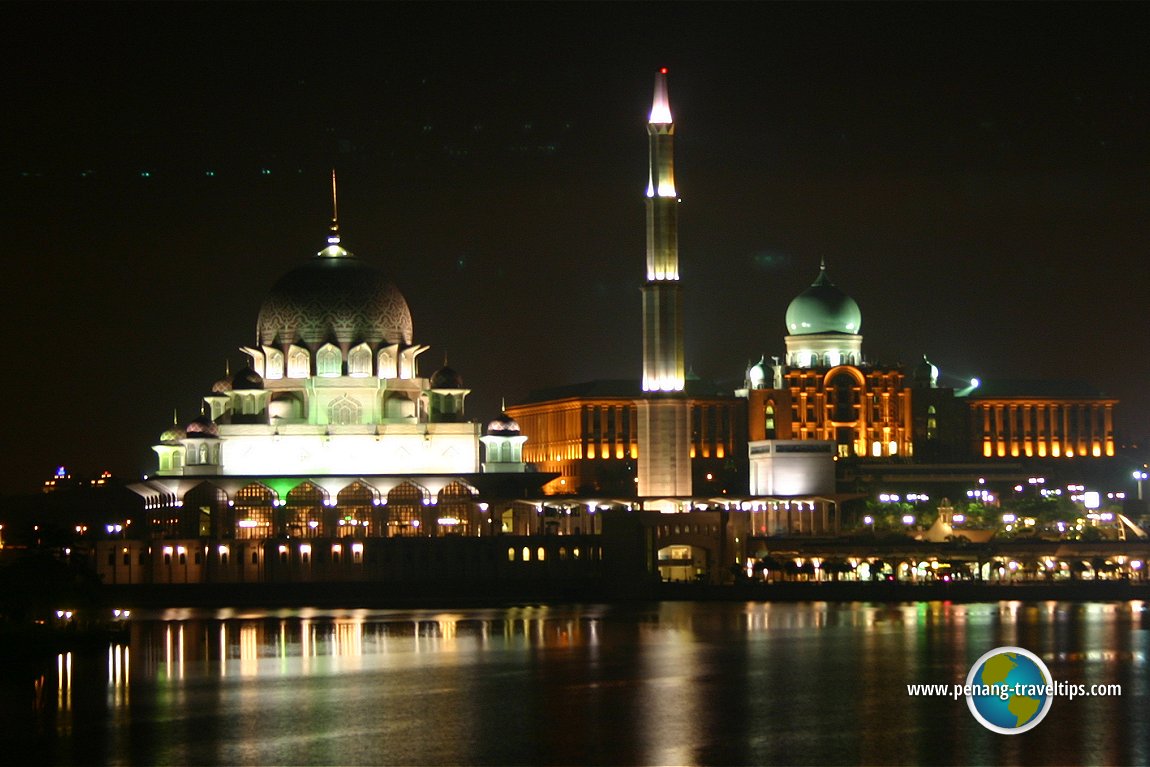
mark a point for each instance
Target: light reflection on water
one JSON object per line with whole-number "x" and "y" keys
{"x": 666, "y": 684}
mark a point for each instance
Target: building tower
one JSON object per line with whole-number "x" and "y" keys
{"x": 664, "y": 468}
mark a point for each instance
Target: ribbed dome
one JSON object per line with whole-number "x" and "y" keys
{"x": 503, "y": 426}
{"x": 446, "y": 378}
{"x": 222, "y": 386}
{"x": 201, "y": 427}
{"x": 823, "y": 308}
{"x": 334, "y": 297}
{"x": 247, "y": 379}
{"x": 172, "y": 435}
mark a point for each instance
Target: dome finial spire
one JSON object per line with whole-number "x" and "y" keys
{"x": 333, "y": 238}
{"x": 333, "y": 249}
{"x": 822, "y": 263}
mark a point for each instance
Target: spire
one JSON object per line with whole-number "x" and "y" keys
{"x": 333, "y": 249}
{"x": 175, "y": 417}
{"x": 661, "y": 106}
{"x": 502, "y": 404}
{"x": 333, "y": 238}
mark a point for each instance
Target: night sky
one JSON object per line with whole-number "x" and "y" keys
{"x": 975, "y": 176}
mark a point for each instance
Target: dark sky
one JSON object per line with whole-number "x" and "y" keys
{"x": 974, "y": 174}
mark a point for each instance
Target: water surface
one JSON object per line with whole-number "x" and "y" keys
{"x": 661, "y": 684}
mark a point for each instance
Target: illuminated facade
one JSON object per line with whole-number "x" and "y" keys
{"x": 662, "y": 417}
{"x": 825, "y": 390}
{"x": 1041, "y": 419}
{"x": 331, "y": 431}
{"x": 589, "y": 435}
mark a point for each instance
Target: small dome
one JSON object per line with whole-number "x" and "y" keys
{"x": 503, "y": 426}
{"x": 823, "y": 308}
{"x": 757, "y": 374}
{"x": 222, "y": 386}
{"x": 334, "y": 297}
{"x": 926, "y": 374}
{"x": 203, "y": 427}
{"x": 446, "y": 378}
{"x": 247, "y": 379}
{"x": 172, "y": 435}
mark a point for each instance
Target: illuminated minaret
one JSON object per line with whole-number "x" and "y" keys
{"x": 664, "y": 419}
{"x": 663, "y": 368}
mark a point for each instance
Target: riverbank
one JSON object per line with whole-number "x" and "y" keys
{"x": 442, "y": 596}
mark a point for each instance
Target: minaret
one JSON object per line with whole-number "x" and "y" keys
{"x": 664, "y": 468}
{"x": 663, "y": 367}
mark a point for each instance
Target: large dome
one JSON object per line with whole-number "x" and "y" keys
{"x": 823, "y": 308}
{"x": 334, "y": 297}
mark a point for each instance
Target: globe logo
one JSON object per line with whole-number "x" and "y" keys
{"x": 1009, "y": 690}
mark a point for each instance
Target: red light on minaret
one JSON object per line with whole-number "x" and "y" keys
{"x": 663, "y": 71}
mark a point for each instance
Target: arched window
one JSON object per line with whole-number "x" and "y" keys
{"x": 358, "y": 514}
{"x": 769, "y": 420}
{"x": 405, "y": 507}
{"x": 931, "y": 423}
{"x": 359, "y": 361}
{"x": 304, "y": 517}
{"x": 275, "y": 363}
{"x": 343, "y": 411}
{"x": 254, "y": 511}
{"x": 299, "y": 362}
{"x": 455, "y": 509}
{"x": 329, "y": 361}
{"x": 386, "y": 363}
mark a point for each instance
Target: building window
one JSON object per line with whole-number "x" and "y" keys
{"x": 299, "y": 362}
{"x": 329, "y": 361}
{"x": 931, "y": 423}
{"x": 405, "y": 505}
{"x": 359, "y": 361}
{"x": 305, "y": 507}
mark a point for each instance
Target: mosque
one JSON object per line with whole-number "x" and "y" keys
{"x": 329, "y": 458}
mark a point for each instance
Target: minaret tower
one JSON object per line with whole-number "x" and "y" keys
{"x": 663, "y": 368}
{"x": 664, "y": 419}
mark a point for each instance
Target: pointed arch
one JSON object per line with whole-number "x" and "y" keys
{"x": 406, "y": 510}
{"x": 254, "y": 511}
{"x": 359, "y": 512}
{"x": 456, "y": 509}
{"x": 304, "y": 515}
{"x": 329, "y": 361}
{"x": 359, "y": 361}
{"x": 298, "y": 362}
{"x": 344, "y": 411}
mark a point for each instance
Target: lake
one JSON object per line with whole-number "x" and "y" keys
{"x": 653, "y": 684}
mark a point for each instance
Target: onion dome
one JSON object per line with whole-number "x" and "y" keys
{"x": 446, "y": 378}
{"x": 334, "y": 297}
{"x": 202, "y": 427}
{"x": 925, "y": 374}
{"x": 503, "y": 426}
{"x": 222, "y": 386}
{"x": 823, "y": 308}
{"x": 246, "y": 378}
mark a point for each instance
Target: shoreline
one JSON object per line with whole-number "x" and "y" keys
{"x": 441, "y": 596}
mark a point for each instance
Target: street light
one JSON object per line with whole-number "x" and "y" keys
{"x": 1141, "y": 476}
